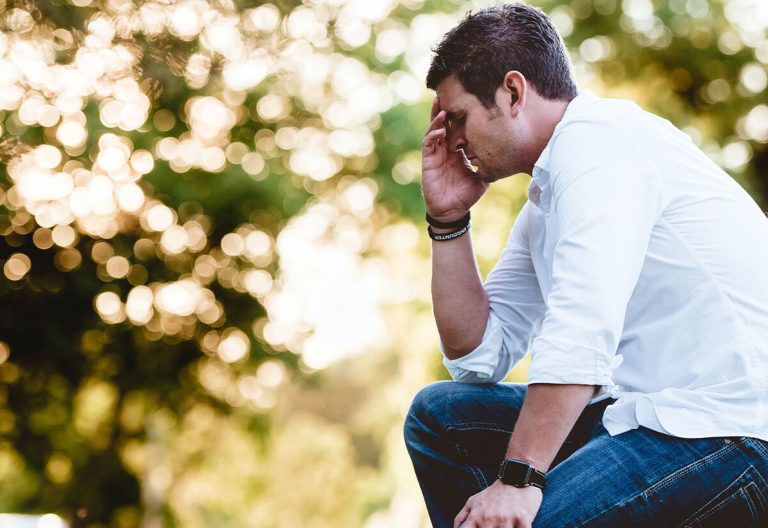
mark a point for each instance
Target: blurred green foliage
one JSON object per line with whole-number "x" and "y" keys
{"x": 214, "y": 305}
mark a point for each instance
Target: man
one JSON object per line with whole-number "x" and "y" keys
{"x": 636, "y": 276}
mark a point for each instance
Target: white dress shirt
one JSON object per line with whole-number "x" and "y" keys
{"x": 637, "y": 265}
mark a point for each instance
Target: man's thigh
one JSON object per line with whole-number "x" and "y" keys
{"x": 453, "y": 402}
{"x": 642, "y": 478}
{"x": 479, "y": 419}
{"x": 457, "y": 435}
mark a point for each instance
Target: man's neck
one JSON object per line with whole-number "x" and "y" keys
{"x": 549, "y": 114}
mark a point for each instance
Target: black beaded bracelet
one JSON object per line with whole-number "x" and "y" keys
{"x": 461, "y": 222}
{"x": 446, "y": 236}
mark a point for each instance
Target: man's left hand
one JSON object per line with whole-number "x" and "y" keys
{"x": 500, "y": 505}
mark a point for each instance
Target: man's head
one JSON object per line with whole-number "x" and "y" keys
{"x": 504, "y": 79}
{"x": 512, "y": 37}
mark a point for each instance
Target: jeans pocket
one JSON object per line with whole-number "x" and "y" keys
{"x": 742, "y": 504}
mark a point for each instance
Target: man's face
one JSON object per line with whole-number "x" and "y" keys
{"x": 490, "y": 137}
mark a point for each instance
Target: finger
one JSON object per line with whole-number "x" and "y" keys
{"x": 438, "y": 121}
{"x": 461, "y": 517}
{"x": 433, "y": 138}
{"x": 435, "y": 108}
{"x": 520, "y": 522}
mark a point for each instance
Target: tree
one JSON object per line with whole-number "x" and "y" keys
{"x": 195, "y": 194}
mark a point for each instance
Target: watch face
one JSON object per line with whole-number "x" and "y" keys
{"x": 516, "y": 472}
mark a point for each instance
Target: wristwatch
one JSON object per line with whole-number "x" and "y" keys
{"x": 521, "y": 474}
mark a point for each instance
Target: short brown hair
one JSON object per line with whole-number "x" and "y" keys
{"x": 487, "y": 44}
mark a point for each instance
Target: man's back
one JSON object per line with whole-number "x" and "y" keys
{"x": 694, "y": 328}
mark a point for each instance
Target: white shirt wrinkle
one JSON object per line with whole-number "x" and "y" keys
{"x": 637, "y": 265}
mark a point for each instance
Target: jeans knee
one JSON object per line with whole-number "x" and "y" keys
{"x": 422, "y": 411}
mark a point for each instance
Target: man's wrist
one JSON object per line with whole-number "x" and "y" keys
{"x": 441, "y": 230}
{"x": 532, "y": 460}
{"x": 450, "y": 217}
{"x": 451, "y": 235}
{"x": 521, "y": 474}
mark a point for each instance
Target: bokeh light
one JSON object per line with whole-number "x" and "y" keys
{"x": 221, "y": 202}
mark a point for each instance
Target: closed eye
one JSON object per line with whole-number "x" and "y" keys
{"x": 456, "y": 120}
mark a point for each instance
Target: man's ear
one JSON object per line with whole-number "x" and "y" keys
{"x": 515, "y": 88}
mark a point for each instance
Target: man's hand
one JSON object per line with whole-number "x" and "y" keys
{"x": 448, "y": 182}
{"x": 500, "y": 505}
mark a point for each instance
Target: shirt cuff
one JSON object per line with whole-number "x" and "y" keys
{"x": 569, "y": 364}
{"x": 487, "y": 363}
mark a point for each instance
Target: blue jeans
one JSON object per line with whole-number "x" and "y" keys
{"x": 457, "y": 435}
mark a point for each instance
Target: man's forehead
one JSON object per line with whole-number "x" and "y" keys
{"x": 453, "y": 97}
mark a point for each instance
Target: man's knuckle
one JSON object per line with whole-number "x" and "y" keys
{"x": 487, "y": 516}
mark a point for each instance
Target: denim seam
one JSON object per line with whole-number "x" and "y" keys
{"x": 645, "y": 493}
{"x": 750, "y": 501}
{"x": 479, "y": 477}
{"x": 486, "y": 426}
{"x": 471, "y": 426}
{"x": 477, "y": 473}
{"x": 723, "y": 503}
{"x": 687, "y": 469}
{"x": 758, "y": 446}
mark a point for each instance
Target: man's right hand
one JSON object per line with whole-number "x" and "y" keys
{"x": 448, "y": 182}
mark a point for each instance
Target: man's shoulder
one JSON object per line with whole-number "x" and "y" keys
{"x": 590, "y": 130}
{"x": 605, "y": 122}
{"x": 602, "y": 131}
{"x": 607, "y": 113}
{"x": 599, "y": 113}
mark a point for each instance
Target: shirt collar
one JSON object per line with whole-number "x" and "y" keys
{"x": 541, "y": 167}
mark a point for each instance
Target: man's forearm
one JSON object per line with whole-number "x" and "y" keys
{"x": 547, "y": 416}
{"x": 458, "y": 297}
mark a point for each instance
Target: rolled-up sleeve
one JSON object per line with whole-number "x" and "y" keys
{"x": 516, "y": 310}
{"x": 606, "y": 200}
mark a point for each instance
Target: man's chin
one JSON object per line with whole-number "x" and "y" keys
{"x": 488, "y": 176}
